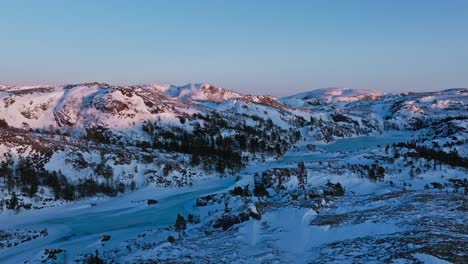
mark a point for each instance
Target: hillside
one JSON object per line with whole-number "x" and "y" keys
{"x": 318, "y": 164}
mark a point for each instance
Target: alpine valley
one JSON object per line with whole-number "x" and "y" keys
{"x": 97, "y": 173}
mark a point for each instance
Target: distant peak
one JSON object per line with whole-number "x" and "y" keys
{"x": 331, "y": 95}
{"x": 200, "y": 92}
{"x": 162, "y": 87}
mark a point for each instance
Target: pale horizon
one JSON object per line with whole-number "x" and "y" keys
{"x": 279, "y": 95}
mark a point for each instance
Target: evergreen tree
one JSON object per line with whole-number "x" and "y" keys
{"x": 4, "y": 168}
{"x": 95, "y": 259}
{"x": 180, "y": 224}
{"x": 105, "y": 170}
{"x": 190, "y": 218}
{"x": 27, "y": 176}
{"x": 380, "y": 172}
{"x": 3, "y": 123}
{"x": 302, "y": 174}
{"x": 411, "y": 173}
{"x": 195, "y": 160}
{"x": 7, "y": 174}
{"x": 171, "y": 239}
{"x": 13, "y": 204}
{"x": 52, "y": 181}
{"x": 371, "y": 173}
{"x": 68, "y": 192}
{"x": 260, "y": 190}
{"x": 10, "y": 182}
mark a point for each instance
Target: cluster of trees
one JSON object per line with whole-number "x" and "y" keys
{"x": 333, "y": 189}
{"x": 99, "y": 134}
{"x": 94, "y": 259}
{"x": 212, "y": 152}
{"x": 239, "y": 191}
{"x": 376, "y": 172}
{"x": 180, "y": 225}
{"x": 274, "y": 178}
{"x": 260, "y": 190}
{"x": 215, "y": 150}
{"x": 13, "y": 203}
{"x": 22, "y": 176}
{"x": 27, "y": 176}
{"x": 228, "y": 220}
{"x": 456, "y": 184}
{"x": 302, "y": 174}
{"x": 451, "y": 158}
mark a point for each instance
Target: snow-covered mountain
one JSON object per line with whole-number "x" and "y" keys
{"x": 323, "y": 162}
{"x": 197, "y": 92}
{"x": 120, "y": 112}
{"x": 330, "y": 95}
{"x": 77, "y": 106}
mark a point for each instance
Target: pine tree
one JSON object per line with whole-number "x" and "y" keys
{"x": 105, "y": 170}
{"x": 27, "y": 176}
{"x": 3, "y": 123}
{"x": 13, "y": 204}
{"x": 302, "y": 174}
{"x": 371, "y": 174}
{"x": 10, "y": 182}
{"x": 4, "y": 170}
{"x": 7, "y": 174}
{"x": 180, "y": 224}
{"x": 411, "y": 173}
{"x": 190, "y": 218}
{"x": 260, "y": 190}
{"x": 380, "y": 172}
{"x": 95, "y": 259}
{"x": 195, "y": 160}
{"x": 171, "y": 239}
{"x": 52, "y": 181}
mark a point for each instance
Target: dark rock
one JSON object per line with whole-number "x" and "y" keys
{"x": 53, "y": 256}
{"x": 255, "y": 216}
{"x": 105, "y": 238}
{"x": 151, "y": 201}
{"x": 226, "y": 221}
{"x": 204, "y": 200}
{"x": 334, "y": 189}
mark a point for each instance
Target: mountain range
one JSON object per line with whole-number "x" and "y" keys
{"x": 321, "y": 161}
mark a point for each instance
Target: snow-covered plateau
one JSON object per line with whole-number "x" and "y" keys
{"x": 97, "y": 173}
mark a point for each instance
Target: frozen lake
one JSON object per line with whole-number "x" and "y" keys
{"x": 332, "y": 151}
{"x": 361, "y": 143}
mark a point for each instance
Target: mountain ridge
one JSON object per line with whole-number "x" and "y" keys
{"x": 164, "y": 87}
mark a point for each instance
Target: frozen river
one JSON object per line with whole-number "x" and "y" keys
{"x": 78, "y": 228}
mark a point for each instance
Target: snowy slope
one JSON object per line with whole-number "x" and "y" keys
{"x": 327, "y": 176}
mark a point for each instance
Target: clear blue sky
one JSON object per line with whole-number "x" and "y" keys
{"x": 275, "y": 47}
